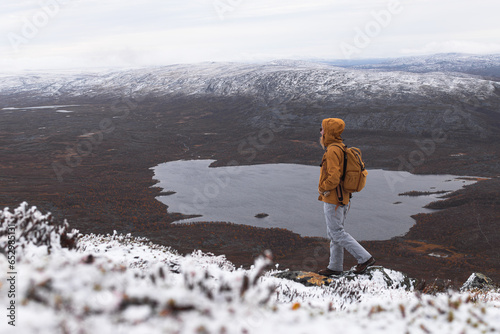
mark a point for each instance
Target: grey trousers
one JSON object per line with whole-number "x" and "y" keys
{"x": 340, "y": 239}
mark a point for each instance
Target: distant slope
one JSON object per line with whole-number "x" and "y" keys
{"x": 483, "y": 65}
{"x": 369, "y": 100}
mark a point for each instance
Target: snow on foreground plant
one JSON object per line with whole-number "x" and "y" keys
{"x": 124, "y": 284}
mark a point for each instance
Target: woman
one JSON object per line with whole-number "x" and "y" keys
{"x": 336, "y": 201}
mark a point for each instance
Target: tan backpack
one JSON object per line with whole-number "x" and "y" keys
{"x": 355, "y": 173}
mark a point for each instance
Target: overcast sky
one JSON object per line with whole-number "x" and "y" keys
{"x": 40, "y": 34}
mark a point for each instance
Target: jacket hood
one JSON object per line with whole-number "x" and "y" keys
{"x": 332, "y": 130}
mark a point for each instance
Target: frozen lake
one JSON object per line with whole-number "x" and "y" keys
{"x": 288, "y": 194}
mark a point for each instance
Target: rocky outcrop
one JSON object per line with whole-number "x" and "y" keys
{"x": 305, "y": 277}
{"x": 389, "y": 279}
{"x": 478, "y": 281}
{"x": 382, "y": 276}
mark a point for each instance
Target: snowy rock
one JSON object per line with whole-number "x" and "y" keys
{"x": 478, "y": 281}
{"x": 378, "y": 275}
{"x": 305, "y": 277}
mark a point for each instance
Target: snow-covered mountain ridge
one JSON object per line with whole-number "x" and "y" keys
{"x": 121, "y": 284}
{"x": 302, "y": 80}
{"x": 398, "y": 101}
{"x": 484, "y": 65}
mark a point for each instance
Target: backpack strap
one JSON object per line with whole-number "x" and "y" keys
{"x": 342, "y": 147}
{"x": 340, "y": 193}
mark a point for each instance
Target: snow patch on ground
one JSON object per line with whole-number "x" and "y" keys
{"x": 68, "y": 283}
{"x": 121, "y": 284}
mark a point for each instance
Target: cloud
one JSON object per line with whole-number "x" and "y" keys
{"x": 155, "y": 32}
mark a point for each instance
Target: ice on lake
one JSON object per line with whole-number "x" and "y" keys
{"x": 288, "y": 194}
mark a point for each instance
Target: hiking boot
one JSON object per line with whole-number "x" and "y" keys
{"x": 361, "y": 267}
{"x": 329, "y": 272}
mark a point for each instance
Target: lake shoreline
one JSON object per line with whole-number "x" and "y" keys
{"x": 286, "y": 193}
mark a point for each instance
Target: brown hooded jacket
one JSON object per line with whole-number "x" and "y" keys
{"x": 332, "y": 164}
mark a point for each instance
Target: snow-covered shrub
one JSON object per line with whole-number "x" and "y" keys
{"x": 124, "y": 284}
{"x": 27, "y": 226}
{"x": 238, "y": 285}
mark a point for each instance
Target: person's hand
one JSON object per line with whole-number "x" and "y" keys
{"x": 324, "y": 193}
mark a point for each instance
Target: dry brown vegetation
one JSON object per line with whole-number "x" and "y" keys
{"x": 113, "y": 187}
